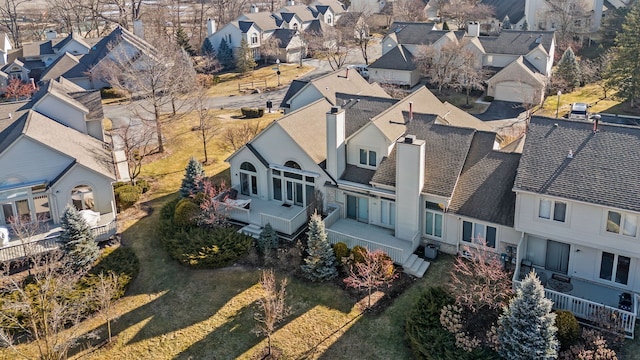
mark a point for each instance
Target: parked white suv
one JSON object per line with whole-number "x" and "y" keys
{"x": 579, "y": 111}
{"x": 363, "y": 70}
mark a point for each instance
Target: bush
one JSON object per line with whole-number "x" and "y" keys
{"x": 427, "y": 338}
{"x": 252, "y": 113}
{"x": 568, "y": 329}
{"x": 126, "y": 196}
{"x": 341, "y": 250}
{"x": 143, "y": 185}
{"x": 488, "y": 98}
{"x": 110, "y": 93}
{"x": 358, "y": 253}
{"x": 199, "y": 247}
{"x": 186, "y": 213}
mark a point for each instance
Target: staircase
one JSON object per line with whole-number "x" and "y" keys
{"x": 251, "y": 230}
{"x": 416, "y": 266}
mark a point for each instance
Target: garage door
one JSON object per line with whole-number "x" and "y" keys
{"x": 516, "y": 92}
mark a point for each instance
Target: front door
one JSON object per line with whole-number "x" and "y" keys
{"x": 358, "y": 208}
{"x": 557, "y": 257}
{"x": 295, "y": 194}
{"x": 248, "y": 184}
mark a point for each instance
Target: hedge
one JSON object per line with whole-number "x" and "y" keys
{"x": 252, "y": 113}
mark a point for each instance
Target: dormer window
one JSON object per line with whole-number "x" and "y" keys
{"x": 368, "y": 157}
{"x": 254, "y": 39}
{"x": 329, "y": 19}
{"x": 295, "y": 26}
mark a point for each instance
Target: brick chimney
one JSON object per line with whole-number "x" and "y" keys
{"x": 211, "y": 27}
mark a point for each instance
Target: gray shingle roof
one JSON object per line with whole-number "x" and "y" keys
{"x": 60, "y": 67}
{"x": 357, "y": 174}
{"x": 516, "y": 42}
{"x": 92, "y": 101}
{"x": 284, "y": 36}
{"x": 359, "y": 109}
{"x": 446, "y": 148}
{"x": 410, "y": 32}
{"x": 603, "y": 170}
{"x": 296, "y": 85}
{"x": 398, "y": 58}
{"x": 485, "y": 188}
{"x": 513, "y": 8}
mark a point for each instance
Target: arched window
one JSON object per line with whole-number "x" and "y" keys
{"x": 254, "y": 38}
{"x": 82, "y": 197}
{"x": 293, "y": 165}
{"x": 248, "y": 179}
{"x": 329, "y": 19}
{"x": 295, "y": 26}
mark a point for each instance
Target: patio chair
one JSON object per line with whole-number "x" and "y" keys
{"x": 625, "y": 303}
{"x": 233, "y": 194}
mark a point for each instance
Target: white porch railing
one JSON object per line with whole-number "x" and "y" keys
{"x": 103, "y": 232}
{"x": 283, "y": 225}
{"x": 234, "y": 212}
{"x": 396, "y": 254}
{"x": 332, "y": 217}
{"x": 588, "y": 310}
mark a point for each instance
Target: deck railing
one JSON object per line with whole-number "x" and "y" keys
{"x": 589, "y": 310}
{"x": 396, "y": 254}
{"x": 286, "y": 226}
{"x": 103, "y": 232}
{"x": 332, "y": 216}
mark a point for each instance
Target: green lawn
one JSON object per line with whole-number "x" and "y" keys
{"x": 591, "y": 94}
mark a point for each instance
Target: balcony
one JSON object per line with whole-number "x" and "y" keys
{"x": 586, "y": 300}
{"x": 284, "y": 218}
{"x": 48, "y": 240}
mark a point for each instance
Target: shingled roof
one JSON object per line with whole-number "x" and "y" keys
{"x": 284, "y": 36}
{"x": 602, "y": 171}
{"x": 484, "y": 190}
{"x": 398, "y": 58}
{"x": 512, "y": 8}
{"x": 516, "y": 42}
{"x": 360, "y": 109}
{"x": 411, "y": 32}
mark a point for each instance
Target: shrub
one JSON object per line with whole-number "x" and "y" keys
{"x": 268, "y": 239}
{"x": 358, "y": 253}
{"x": 126, "y": 196}
{"x": 110, "y": 93}
{"x": 341, "y": 250}
{"x": 143, "y": 185}
{"x": 252, "y": 113}
{"x": 568, "y": 328}
{"x": 122, "y": 261}
{"x": 186, "y": 213}
{"x": 488, "y": 98}
{"x": 427, "y": 338}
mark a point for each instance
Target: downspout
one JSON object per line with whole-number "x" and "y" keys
{"x": 518, "y": 258}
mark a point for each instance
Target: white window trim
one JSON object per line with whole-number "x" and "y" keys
{"x": 473, "y": 231}
{"x": 614, "y": 270}
{"x": 424, "y": 223}
{"x": 623, "y": 215}
{"x": 550, "y": 219}
{"x": 368, "y": 150}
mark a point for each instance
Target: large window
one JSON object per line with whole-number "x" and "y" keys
{"x": 552, "y": 210}
{"x": 292, "y": 187}
{"x": 433, "y": 220}
{"x": 248, "y": 179}
{"x": 368, "y": 157}
{"x": 620, "y": 223}
{"x": 615, "y": 268}
{"x": 388, "y": 212}
{"x": 82, "y": 197}
{"x": 474, "y": 232}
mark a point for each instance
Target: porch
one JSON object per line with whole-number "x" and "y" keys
{"x": 48, "y": 240}
{"x": 585, "y": 299}
{"x": 355, "y": 233}
{"x": 286, "y": 219}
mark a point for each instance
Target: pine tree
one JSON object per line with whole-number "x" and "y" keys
{"x": 192, "y": 177}
{"x": 445, "y": 26}
{"x": 77, "y": 239}
{"x": 625, "y": 68}
{"x": 569, "y": 69}
{"x": 225, "y": 54}
{"x": 268, "y": 239}
{"x": 244, "y": 59}
{"x": 183, "y": 41}
{"x": 524, "y": 26}
{"x": 506, "y": 23}
{"x": 207, "y": 48}
{"x": 527, "y": 327}
{"x": 320, "y": 265}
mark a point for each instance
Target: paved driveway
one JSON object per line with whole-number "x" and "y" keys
{"x": 499, "y": 110}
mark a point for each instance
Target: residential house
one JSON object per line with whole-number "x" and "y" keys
{"x": 304, "y": 92}
{"x": 511, "y": 10}
{"x": 521, "y": 61}
{"x": 257, "y": 27}
{"x": 119, "y": 45}
{"x": 5, "y": 47}
{"x": 378, "y": 191}
{"x": 540, "y": 15}
{"x": 53, "y": 154}
{"x": 577, "y": 212}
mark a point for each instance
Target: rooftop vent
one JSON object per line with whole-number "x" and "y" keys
{"x": 335, "y": 109}
{"x": 570, "y": 154}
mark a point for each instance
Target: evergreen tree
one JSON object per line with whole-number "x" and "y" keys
{"x": 183, "y": 41}
{"x": 207, "y": 48}
{"x": 506, "y": 23}
{"x": 77, "y": 239}
{"x": 192, "y": 178}
{"x": 625, "y": 68}
{"x": 320, "y": 265}
{"x": 244, "y": 60}
{"x": 527, "y": 328}
{"x": 524, "y": 26}
{"x": 225, "y": 54}
{"x": 445, "y": 26}
{"x": 568, "y": 69}
{"x": 268, "y": 239}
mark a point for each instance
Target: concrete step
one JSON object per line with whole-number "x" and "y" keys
{"x": 415, "y": 266}
{"x": 251, "y": 230}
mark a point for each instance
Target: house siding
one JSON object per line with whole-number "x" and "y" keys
{"x": 29, "y": 161}
{"x": 80, "y": 175}
{"x": 305, "y": 97}
{"x": 62, "y": 112}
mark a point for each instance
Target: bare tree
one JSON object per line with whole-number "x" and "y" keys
{"x": 362, "y": 35}
{"x": 442, "y": 65}
{"x": 42, "y": 310}
{"x": 137, "y": 142}
{"x": 570, "y": 18}
{"x": 26, "y": 230}
{"x": 104, "y": 295}
{"x": 272, "y": 306}
{"x": 595, "y": 71}
{"x": 208, "y": 125}
{"x": 469, "y": 76}
{"x": 331, "y": 45}
{"x": 270, "y": 48}
{"x": 375, "y": 271}
{"x": 157, "y": 78}
{"x": 10, "y": 13}
{"x": 233, "y": 138}
{"x": 227, "y": 10}
{"x": 459, "y": 12}
{"x": 408, "y": 10}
